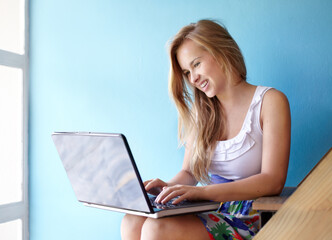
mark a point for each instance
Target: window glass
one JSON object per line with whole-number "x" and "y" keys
{"x": 12, "y": 26}
{"x": 11, "y": 137}
{"x": 11, "y": 230}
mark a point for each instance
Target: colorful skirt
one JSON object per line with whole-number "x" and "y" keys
{"x": 233, "y": 220}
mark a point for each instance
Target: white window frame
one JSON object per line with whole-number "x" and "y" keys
{"x": 20, "y": 210}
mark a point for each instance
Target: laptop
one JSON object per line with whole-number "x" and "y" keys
{"x": 103, "y": 174}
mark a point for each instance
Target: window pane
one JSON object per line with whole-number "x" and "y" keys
{"x": 11, "y": 137}
{"x": 11, "y": 230}
{"x": 12, "y": 25}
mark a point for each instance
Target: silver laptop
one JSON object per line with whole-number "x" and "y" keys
{"x": 103, "y": 174}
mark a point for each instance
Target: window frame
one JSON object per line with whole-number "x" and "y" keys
{"x": 20, "y": 210}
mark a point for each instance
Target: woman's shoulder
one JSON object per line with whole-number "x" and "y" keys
{"x": 274, "y": 96}
{"x": 274, "y": 102}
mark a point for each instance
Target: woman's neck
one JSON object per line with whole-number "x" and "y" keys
{"x": 234, "y": 94}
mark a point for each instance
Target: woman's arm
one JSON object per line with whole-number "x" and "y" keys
{"x": 276, "y": 125}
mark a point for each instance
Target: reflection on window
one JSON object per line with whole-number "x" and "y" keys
{"x": 11, "y": 137}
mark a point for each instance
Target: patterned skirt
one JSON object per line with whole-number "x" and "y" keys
{"x": 233, "y": 220}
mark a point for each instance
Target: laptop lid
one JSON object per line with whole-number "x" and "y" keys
{"x": 101, "y": 170}
{"x": 103, "y": 174}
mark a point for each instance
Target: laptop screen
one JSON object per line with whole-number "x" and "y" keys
{"x": 100, "y": 170}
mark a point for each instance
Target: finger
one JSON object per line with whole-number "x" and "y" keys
{"x": 171, "y": 196}
{"x": 163, "y": 194}
{"x": 168, "y": 194}
{"x": 150, "y": 183}
{"x": 155, "y": 185}
{"x": 146, "y": 182}
{"x": 180, "y": 199}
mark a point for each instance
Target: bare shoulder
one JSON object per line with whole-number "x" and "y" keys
{"x": 274, "y": 99}
{"x": 274, "y": 96}
{"x": 275, "y": 105}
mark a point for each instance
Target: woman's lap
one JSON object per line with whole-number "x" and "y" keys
{"x": 235, "y": 221}
{"x": 176, "y": 227}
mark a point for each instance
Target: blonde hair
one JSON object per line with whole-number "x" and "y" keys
{"x": 201, "y": 119}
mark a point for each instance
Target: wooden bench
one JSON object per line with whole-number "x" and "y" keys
{"x": 268, "y": 206}
{"x": 307, "y": 213}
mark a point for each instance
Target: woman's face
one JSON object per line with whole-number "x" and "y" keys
{"x": 201, "y": 69}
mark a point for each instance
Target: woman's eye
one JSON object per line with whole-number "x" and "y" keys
{"x": 197, "y": 64}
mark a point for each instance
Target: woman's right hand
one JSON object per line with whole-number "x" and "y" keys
{"x": 154, "y": 186}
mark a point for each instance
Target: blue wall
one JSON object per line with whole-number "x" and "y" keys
{"x": 102, "y": 66}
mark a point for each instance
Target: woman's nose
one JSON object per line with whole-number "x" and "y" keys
{"x": 194, "y": 77}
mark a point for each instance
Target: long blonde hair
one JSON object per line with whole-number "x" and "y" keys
{"x": 201, "y": 119}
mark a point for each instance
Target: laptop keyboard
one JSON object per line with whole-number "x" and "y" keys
{"x": 168, "y": 204}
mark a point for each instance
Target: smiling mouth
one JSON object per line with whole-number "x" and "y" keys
{"x": 203, "y": 84}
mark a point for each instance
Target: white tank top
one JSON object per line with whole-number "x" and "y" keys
{"x": 241, "y": 156}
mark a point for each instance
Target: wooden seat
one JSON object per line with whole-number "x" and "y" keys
{"x": 268, "y": 206}
{"x": 307, "y": 214}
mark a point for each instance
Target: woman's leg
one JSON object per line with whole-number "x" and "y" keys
{"x": 174, "y": 228}
{"x": 131, "y": 226}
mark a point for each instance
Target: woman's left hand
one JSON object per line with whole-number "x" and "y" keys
{"x": 183, "y": 192}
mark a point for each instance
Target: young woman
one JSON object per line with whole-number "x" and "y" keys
{"x": 236, "y": 137}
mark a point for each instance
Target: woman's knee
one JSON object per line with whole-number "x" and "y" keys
{"x": 181, "y": 227}
{"x": 131, "y": 226}
{"x": 154, "y": 228}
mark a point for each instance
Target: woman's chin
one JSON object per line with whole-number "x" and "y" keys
{"x": 210, "y": 95}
